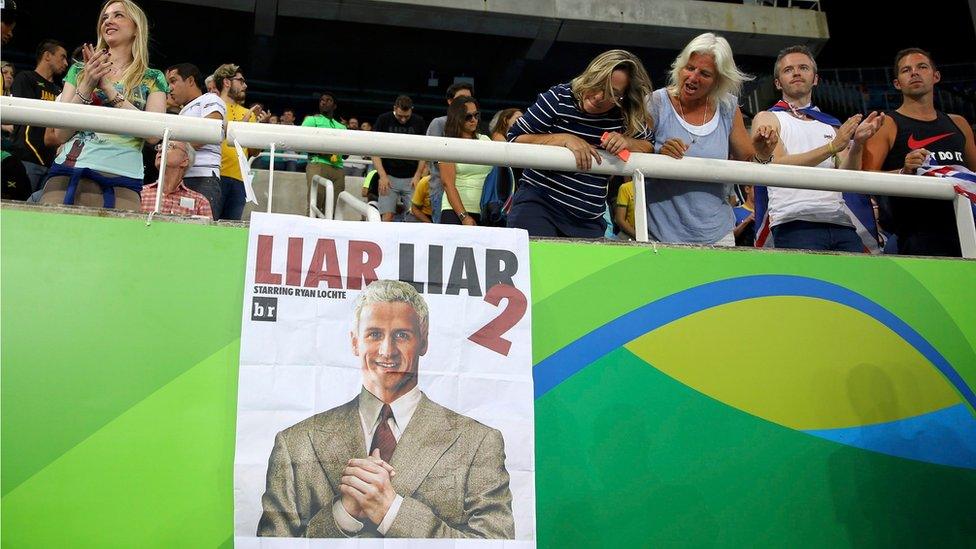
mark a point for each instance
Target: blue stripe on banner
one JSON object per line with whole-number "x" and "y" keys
{"x": 565, "y": 362}
{"x": 945, "y": 437}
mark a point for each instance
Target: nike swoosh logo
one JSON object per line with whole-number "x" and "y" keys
{"x": 922, "y": 143}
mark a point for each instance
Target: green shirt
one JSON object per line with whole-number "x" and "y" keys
{"x": 469, "y": 179}
{"x": 322, "y": 121}
{"x": 105, "y": 152}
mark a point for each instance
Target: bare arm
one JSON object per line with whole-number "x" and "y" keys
{"x": 620, "y": 218}
{"x": 969, "y": 150}
{"x": 448, "y": 179}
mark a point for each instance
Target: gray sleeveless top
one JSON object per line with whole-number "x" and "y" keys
{"x": 686, "y": 211}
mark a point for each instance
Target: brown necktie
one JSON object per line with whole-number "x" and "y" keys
{"x": 383, "y": 437}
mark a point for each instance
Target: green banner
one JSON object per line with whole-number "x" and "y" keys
{"x": 687, "y": 397}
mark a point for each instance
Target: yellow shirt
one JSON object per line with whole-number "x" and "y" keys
{"x": 421, "y": 196}
{"x": 625, "y": 199}
{"x": 228, "y": 155}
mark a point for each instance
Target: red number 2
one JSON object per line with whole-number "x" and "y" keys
{"x": 490, "y": 335}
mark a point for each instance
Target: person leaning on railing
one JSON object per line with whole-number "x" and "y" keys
{"x": 95, "y": 169}
{"x": 697, "y": 115}
{"x": 607, "y": 99}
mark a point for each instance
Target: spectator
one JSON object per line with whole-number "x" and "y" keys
{"x": 606, "y": 99}
{"x": 398, "y": 177}
{"x": 203, "y": 175}
{"x": 287, "y": 117}
{"x": 697, "y": 114}
{"x": 178, "y": 199}
{"x": 273, "y": 119}
{"x": 365, "y": 126}
{"x": 28, "y": 142}
{"x": 353, "y": 123}
{"x": 8, "y": 20}
{"x": 233, "y": 90}
{"x": 211, "y": 85}
{"x": 326, "y": 165}
{"x": 463, "y": 183}
{"x": 745, "y": 218}
{"x": 104, "y": 169}
{"x": 623, "y": 210}
{"x": 502, "y": 122}
{"x": 436, "y": 129}
{"x": 907, "y": 138}
{"x": 7, "y": 70}
{"x": 420, "y": 207}
{"x": 803, "y": 218}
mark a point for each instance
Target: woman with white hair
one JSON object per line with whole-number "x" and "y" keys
{"x": 96, "y": 169}
{"x": 697, "y": 114}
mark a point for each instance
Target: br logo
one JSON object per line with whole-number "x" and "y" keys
{"x": 264, "y": 309}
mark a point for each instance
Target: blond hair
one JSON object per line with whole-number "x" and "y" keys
{"x": 730, "y": 78}
{"x": 392, "y": 291}
{"x": 597, "y": 75}
{"x": 136, "y": 70}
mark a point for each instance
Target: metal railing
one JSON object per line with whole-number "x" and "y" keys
{"x": 494, "y": 153}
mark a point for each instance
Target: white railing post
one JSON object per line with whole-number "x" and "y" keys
{"x": 640, "y": 208}
{"x": 313, "y": 207}
{"x": 271, "y": 171}
{"x": 965, "y": 225}
{"x": 160, "y": 182}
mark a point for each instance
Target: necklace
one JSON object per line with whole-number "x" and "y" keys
{"x": 694, "y": 138}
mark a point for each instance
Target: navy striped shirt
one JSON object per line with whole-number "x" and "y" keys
{"x": 581, "y": 195}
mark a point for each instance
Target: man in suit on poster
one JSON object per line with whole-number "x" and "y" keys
{"x": 429, "y": 472}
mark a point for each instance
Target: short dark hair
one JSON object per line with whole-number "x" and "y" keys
{"x": 188, "y": 70}
{"x": 330, "y": 94}
{"x": 458, "y": 86}
{"x": 793, "y": 49}
{"x": 288, "y": 109}
{"x": 49, "y": 45}
{"x": 403, "y": 103}
{"x": 908, "y": 51}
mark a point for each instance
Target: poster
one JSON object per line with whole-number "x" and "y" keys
{"x": 385, "y": 395}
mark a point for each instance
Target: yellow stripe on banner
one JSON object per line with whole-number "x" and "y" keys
{"x": 800, "y": 362}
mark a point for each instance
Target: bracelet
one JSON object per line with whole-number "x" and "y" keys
{"x": 85, "y": 100}
{"x": 117, "y": 100}
{"x": 830, "y": 148}
{"x": 756, "y": 158}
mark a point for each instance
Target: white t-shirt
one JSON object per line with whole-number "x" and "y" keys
{"x": 208, "y": 156}
{"x": 785, "y": 205}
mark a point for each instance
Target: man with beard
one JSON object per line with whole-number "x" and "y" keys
{"x": 232, "y": 87}
{"x": 909, "y": 135}
{"x": 28, "y": 141}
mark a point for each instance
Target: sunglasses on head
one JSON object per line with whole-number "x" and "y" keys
{"x": 472, "y": 116}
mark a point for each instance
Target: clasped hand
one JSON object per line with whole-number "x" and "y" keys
{"x": 367, "y": 491}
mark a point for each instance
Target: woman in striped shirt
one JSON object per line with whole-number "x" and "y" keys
{"x": 606, "y": 99}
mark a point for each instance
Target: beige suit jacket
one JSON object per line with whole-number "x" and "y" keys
{"x": 450, "y": 472}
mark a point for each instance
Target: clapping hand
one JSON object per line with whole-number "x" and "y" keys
{"x": 868, "y": 127}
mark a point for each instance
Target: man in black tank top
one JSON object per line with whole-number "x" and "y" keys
{"x": 909, "y": 134}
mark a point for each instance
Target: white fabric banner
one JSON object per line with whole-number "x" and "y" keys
{"x": 385, "y": 395}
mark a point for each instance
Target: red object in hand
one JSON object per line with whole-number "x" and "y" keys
{"x": 624, "y": 154}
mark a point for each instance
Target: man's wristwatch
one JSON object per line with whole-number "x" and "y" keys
{"x": 462, "y": 216}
